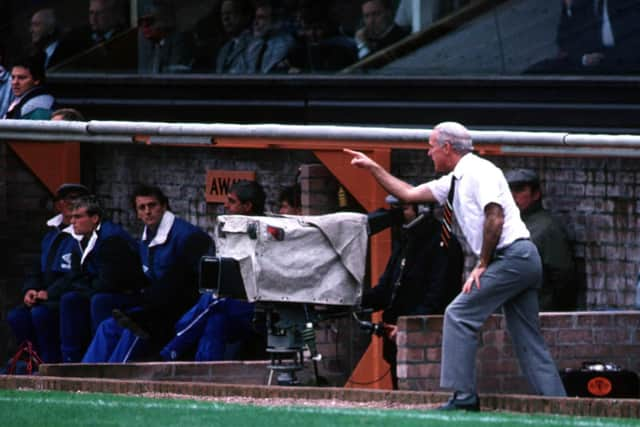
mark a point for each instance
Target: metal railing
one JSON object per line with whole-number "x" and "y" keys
{"x": 487, "y": 142}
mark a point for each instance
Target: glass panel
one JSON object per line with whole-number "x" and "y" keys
{"x": 382, "y": 37}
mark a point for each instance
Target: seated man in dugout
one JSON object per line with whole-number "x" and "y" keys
{"x": 289, "y": 200}
{"x": 422, "y": 275}
{"x": 170, "y": 249}
{"x": 104, "y": 275}
{"x": 558, "y": 292}
{"x": 37, "y": 319}
{"x": 221, "y": 328}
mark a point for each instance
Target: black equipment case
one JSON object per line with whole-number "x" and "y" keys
{"x": 597, "y": 379}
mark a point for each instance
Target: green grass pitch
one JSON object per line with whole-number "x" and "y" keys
{"x": 48, "y": 408}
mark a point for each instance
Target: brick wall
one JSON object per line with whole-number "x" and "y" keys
{"x": 594, "y": 198}
{"x": 572, "y": 338}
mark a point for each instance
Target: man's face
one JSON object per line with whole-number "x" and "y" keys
{"x": 82, "y": 222}
{"x": 102, "y": 16}
{"x": 262, "y": 21}
{"x": 439, "y": 153}
{"x": 40, "y": 27}
{"x": 22, "y": 81}
{"x": 63, "y": 206}
{"x": 150, "y": 30}
{"x": 149, "y": 210}
{"x": 524, "y": 196}
{"x": 376, "y": 18}
{"x": 234, "y": 206}
{"x": 287, "y": 209}
{"x": 231, "y": 17}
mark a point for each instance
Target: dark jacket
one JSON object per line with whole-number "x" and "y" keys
{"x": 36, "y": 104}
{"x": 109, "y": 264}
{"x": 559, "y": 290}
{"x": 55, "y": 257}
{"x": 430, "y": 279}
{"x": 170, "y": 261}
{"x": 579, "y": 33}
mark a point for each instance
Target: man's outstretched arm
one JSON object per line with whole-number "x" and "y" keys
{"x": 390, "y": 183}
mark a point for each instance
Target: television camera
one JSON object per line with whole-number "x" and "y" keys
{"x": 299, "y": 271}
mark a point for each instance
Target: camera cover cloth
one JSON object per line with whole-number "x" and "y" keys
{"x": 313, "y": 259}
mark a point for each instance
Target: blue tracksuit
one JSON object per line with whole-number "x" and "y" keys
{"x": 104, "y": 277}
{"x": 39, "y": 324}
{"x": 170, "y": 262}
{"x": 213, "y": 325}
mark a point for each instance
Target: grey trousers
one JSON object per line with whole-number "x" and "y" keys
{"x": 511, "y": 281}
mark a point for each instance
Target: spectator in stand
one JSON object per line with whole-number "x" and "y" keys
{"x": 68, "y": 114}
{"x": 37, "y": 319}
{"x": 161, "y": 48}
{"x": 218, "y": 328}
{"x": 558, "y": 292}
{"x": 235, "y": 16}
{"x": 270, "y": 44}
{"x": 6, "y": 94}
{"x": 320, "y": 47}
{"x": 595, "y": 37}
{"x": 105, "y": 274}
{"x": 47, "y": 37}
{"x": 379, "y": 30}
{"x": 107, "y": 18}
{"x": 170, "y": 249}
{"x": 31, "y": 101}
{"x": 289, "y": 200}
{"x": 421, "y": 277}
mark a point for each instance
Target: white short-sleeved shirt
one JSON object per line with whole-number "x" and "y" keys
{"x": 478, "y": 183}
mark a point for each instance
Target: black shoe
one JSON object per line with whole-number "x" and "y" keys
{"x": 471, "y": 403}
{"x": 128, "y": 323}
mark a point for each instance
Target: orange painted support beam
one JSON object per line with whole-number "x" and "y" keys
{"x": 372, "y": 371}
{"x": 53, "y": 163}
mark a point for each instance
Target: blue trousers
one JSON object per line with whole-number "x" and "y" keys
{"x": 40, "y": 325}
{"x": 80, "y": 317}
{"x": 114, "y": 344}
{"x": 213, "y": 326}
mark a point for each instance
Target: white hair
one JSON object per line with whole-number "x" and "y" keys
{"x": 457, "y": 135}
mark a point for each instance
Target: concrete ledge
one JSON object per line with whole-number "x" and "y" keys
{"x": 626, "y": 408}
{"x": 228, "y": 372}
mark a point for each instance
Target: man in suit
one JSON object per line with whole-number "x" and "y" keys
{"x": 596, "y": 37}
{"x": 235, "y": 16}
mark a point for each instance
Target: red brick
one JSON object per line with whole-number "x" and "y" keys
{"x": 590, "y": 351}
{"x": 414, "y": 355}
{"x": 571, "y": 336}
{"x": 423, "y": 370}
{"x": 554, "y": 320}
{"x": 424, "y": 339}
{"x": 549, "y": 336}
{"x": 610, "y": 336}
{"x": 498, "y": 367}
{"x": 411, "y": 324}
{"x": 434, "y": 354}
{"x": 494, "y": 337}
{"x": 488, "y": 352}
{"x": 494, "y": 322}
